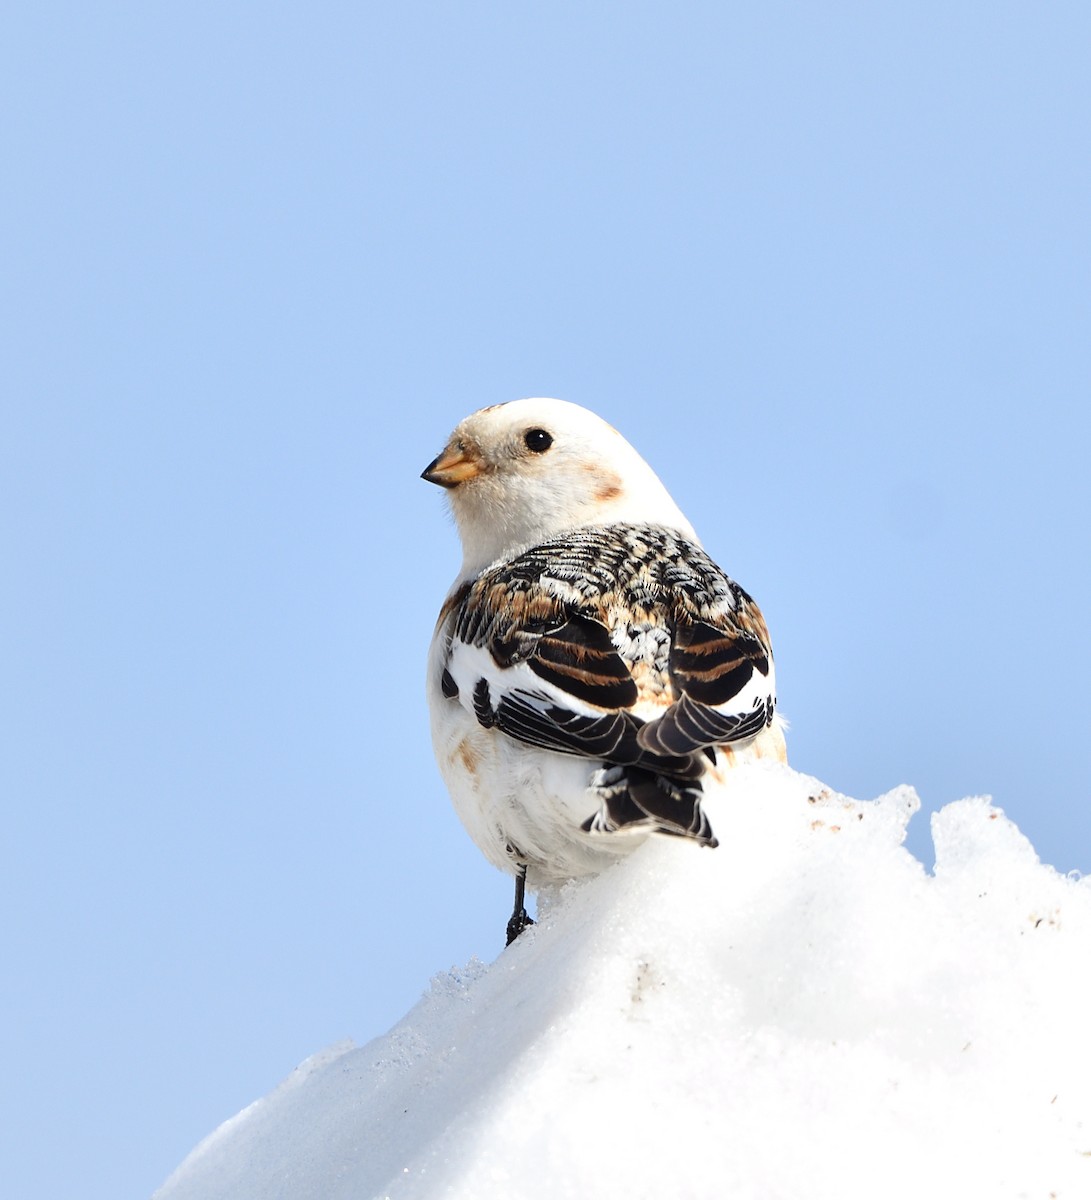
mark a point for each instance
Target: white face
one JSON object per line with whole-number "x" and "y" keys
{"x": 521, "y": 472}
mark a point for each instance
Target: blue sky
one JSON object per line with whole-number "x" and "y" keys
{"x": 828, "y": 269}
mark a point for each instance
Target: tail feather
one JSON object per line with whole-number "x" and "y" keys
{"x": 638, "y": 801}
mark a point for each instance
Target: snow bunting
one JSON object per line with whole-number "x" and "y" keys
{"x": 592, "y": 668}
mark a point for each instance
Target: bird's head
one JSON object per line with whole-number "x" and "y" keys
{"x": 522, "y": 472}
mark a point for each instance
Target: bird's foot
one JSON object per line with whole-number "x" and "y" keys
{"x": 518, "y": 922}
{"x": 519, "y": 919}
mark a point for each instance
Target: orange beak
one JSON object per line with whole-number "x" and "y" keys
{"x": 452, "y": 467}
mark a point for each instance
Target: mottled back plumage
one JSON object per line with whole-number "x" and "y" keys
{"x": 626, "y": 619}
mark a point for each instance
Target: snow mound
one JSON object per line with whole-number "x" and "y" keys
{"x": 802, "y": 1013}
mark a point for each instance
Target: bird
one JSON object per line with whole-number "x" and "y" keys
{"x": 592, "y": 669}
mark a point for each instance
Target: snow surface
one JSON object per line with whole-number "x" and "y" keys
{"x": 803, "y": 1013}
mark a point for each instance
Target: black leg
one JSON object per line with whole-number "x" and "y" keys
{"x": 519, "y": 919}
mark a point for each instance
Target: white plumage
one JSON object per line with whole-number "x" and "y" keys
{"x": 592, "y": 670}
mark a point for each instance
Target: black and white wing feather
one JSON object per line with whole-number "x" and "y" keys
{"x": 625, "y": 644}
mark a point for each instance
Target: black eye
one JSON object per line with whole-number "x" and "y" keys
{"x": 537, "y": 440}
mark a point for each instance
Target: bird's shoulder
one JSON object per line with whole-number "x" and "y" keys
{"x": 609, "y": 573}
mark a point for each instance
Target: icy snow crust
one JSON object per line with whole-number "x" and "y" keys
{"x": 802, "y": 1013}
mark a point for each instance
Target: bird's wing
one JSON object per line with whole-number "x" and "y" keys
{"x": 529, "y": 658}
{"x": 625, "y": 644}
{"x": 721, "y": 669}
